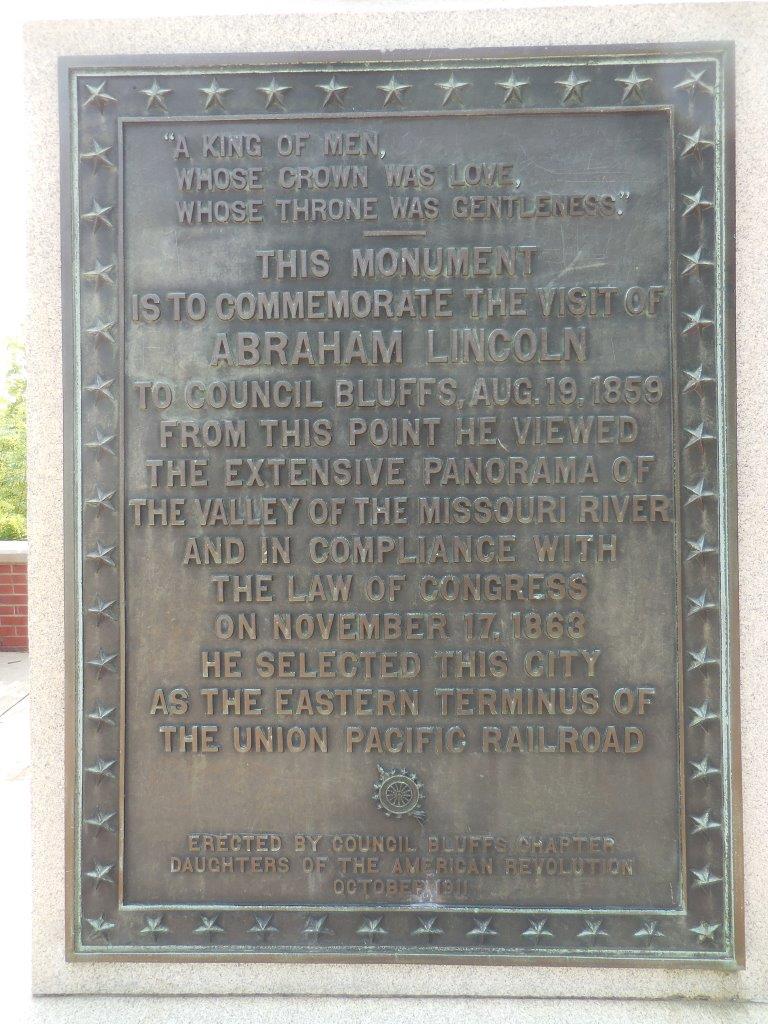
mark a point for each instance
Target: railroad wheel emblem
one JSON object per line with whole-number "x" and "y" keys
{"x": 399, "y": 793}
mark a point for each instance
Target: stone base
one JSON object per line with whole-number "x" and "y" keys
{"x": 310, "y": 1010}
{"x": 387, "y": 26}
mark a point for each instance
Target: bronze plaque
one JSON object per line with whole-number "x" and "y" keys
{"x": 402, "y": 550}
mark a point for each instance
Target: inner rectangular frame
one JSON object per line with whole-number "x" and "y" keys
{"x": 373, "y": 906}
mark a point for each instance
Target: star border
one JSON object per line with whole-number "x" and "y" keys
{"x": 710, "y": 932}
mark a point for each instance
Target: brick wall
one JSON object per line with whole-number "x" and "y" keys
{"x": 13, "y": 596}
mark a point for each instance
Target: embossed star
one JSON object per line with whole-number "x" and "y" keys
{"x": 513, "y": 88}
{"x": 650, "y": 932}
{"x": 97, "y": 216}
{"x": 100, "y": 873}
{"x": 704, "y": 877}
{"x": 262, "y": 926}
{"x": 592, "y": 932}
{"x": 101, "y": 820}
{"x": 101, "y": 443}
{"x": 102, "y": 769}
{"x": 702, "y": 715}
{"x": 703, "y": 769}
{"x": 537, "y": 930}
{"x": 100, "y": 273}
{"x": 209, "y": 925}
{"x": 696, "y": 380}
{"x": 100, "y": 927}
{"x": 633, "y": 85}
{"x": 102, "y": 500}
{"x": 573, "y": 87}
{"x": 333, "y": 91}
{"x": 699, "y": 436}
{"x": 102, "y": 331}
{"x": 482, "y": 930}
{"x": 695, "y": 261}
{"x": 103, "y": 662}
{"x": 393, "y": 90}
{"x": 700, "y": 659}
{"x": 695, "y": 143}
{"x": 694, "y": 82}
{"x": 427, "y": 928}
{"x": 695, "y": 203}
{"x": 98, "y": 96}
{"x": 213, "y": 95}
{"x": 154, "y": 926}
{"x": 705, "y": 931}
{"x": 102, "y": 610}
{"x": 102, "y": 555}
{"x": 700, "y": 603}
{"x": 704, "y": 823}
{"x": 273, "y": 93}
{"x": 696, "y": 321}
{"x": 699, "y": 547}
{"x": 156, "y": 96}
{"x": 315, "y": 927}
{"x": 452, "y": 87}
{"x": 97, "y": 155}
{"x": 372, "y": 928}
{"x": 698, "y": 492}
{"x": 101, "y": 386}
{"x": 102, "y": 715}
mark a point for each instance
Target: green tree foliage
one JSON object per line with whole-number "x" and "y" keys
{"x": 13, "y": 452}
